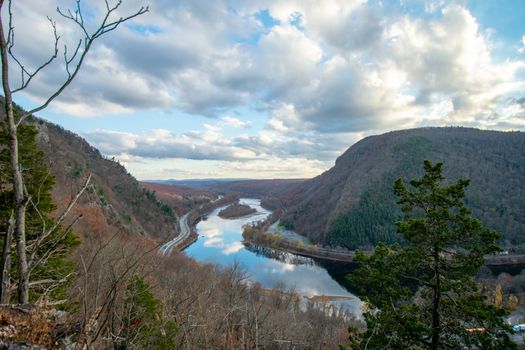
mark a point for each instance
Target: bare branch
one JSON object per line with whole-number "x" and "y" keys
{"x": 451, "y": 298}
{"x": 25, "y": 73}
{"x": 75, "y": 18}
{"x": 35, "y": 245}
{"x": 103, "y": 313}
{"x": 88, "y": 40}
{"x": 39, "y": 214}
{"x": 51, "y": 249}
{"x": 100, "y": 249}
{"x": 79, "y": 13}
{"x": 414, "y": 278}
{"x": 40, "y": 187}
{"x": 41, "y": 283}
{"x": 10, "y": 31}
{"x": 69, "y": 60}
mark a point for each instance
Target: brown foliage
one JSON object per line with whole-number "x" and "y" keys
{"x": 181, "y": 198}
{"x": 214, "y": 308}
{"x": 117, "y": 194}
{"x": 30, "y": 324}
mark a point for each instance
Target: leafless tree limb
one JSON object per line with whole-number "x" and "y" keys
{"x": 103, "y": 313}
{"x": 44, "y": 282}
{"x": 26, "y": 75}
{"x": 33, "y": 247}
{"x": 52, "y": 245}
{"x": 76, "y": 16}
{"x": 73, "y": 64}
{"x": 39, "y": 214}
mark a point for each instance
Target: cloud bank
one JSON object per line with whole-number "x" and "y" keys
{"x": 321, "y": 74}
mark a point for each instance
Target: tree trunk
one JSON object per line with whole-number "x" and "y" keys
{"x": 18, "y": 183}
{"x": 435, "y": 302}
{"x": 5, "y": 263}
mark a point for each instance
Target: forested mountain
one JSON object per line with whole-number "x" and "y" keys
{"x": 353, "y": 204}
{"x": 243, "y": 187}
{"x": 115, "y": 201}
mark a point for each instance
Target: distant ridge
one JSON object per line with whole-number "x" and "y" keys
{"x": 257, "y": 188}
{"x": 199, "y": 183}
{"x": 352, "y": 204}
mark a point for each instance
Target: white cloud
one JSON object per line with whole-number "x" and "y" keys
{"x": 234, "y": 122}
{"x": 214, "y": 242}
{"x": 206, "y": 145}
{"x": 522, "y": 48}
{"x": 341, "y": 65}
{"x": 324, "y": 75}
{"x": 284, "y": 118}
{"x": 211, "y": 144}
{"x": 411, "y": 66}
{"x": 232, "y": 248}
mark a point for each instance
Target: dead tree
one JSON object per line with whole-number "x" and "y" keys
{"x": 73, "y": 61}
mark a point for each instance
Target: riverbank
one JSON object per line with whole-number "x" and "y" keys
{"x": 220, "y": 243}
{"x": 187, "y": 223}
{"x": 255, "y": 235}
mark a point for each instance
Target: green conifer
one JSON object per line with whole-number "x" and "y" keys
{"x": 424, "y": 296}
{"x": 52, "y": 259}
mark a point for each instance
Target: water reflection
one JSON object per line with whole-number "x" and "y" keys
{"x": 279, "y": 255}
{"x": 220, "y": 243}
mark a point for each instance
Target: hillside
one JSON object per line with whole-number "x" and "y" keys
{"x": 181, "y": 199}
{"x": 115, "y": 202}
{"x": 352, "y": 204}
{"x": 257, "y": 188}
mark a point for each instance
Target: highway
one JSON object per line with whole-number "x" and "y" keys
{"x": 185, "y": 232}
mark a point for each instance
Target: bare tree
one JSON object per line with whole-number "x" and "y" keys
{"x": 104, "y": 273}
{"x": 73, "y": 61}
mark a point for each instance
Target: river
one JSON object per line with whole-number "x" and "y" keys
{"x": 220, "y": 242}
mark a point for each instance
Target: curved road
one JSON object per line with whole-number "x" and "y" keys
{"x": 185, "y": 232}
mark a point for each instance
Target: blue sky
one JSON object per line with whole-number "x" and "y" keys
{"x": 276, "y": 89}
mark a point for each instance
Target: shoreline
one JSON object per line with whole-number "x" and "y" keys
{"x": 315, "y": 253}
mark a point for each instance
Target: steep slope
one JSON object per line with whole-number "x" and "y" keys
{"x": 181, "y": 198}
{"x": 114, "y": 202}
{"x": 352, "y": 204}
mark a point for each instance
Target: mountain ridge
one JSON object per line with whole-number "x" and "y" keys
{"x": 115, "y": 201}
{"x": 356, "y": 194}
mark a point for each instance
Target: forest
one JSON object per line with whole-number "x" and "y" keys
{"x": 359, "y": 204}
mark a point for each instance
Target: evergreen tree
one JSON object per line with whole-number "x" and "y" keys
{"x": 142, "y": 324}
{"x": 51, "y": 268}
{"x": 424, "y": 295}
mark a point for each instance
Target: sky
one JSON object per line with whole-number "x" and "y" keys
{"x": 272, "y": 88}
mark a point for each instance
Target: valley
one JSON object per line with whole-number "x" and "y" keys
{"x": 284, "y": 206}
{"x": 220, "y": 242}
{"x": 252, "y": 175}
{"x": 181, "y": 224}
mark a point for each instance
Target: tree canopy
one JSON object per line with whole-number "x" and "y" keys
{"x": 424, "y": 295}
